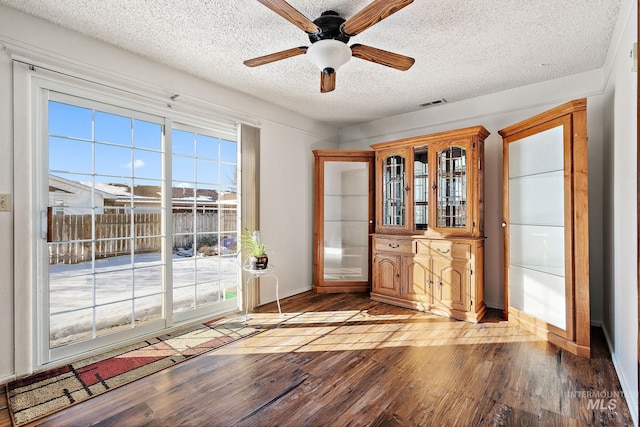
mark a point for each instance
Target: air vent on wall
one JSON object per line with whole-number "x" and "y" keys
{"x": 432, "y": 103}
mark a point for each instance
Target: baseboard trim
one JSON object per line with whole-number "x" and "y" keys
{"x": 7, "y": 379}
{"x": 631, "y": 396}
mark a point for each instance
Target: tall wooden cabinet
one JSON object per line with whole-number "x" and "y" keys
{"x": 428, "y": 245}
{"x": 343, "y": 220}
{"x": 546, "y": 225}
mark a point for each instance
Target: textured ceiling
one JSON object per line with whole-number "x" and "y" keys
{"x": 462, "y": 48}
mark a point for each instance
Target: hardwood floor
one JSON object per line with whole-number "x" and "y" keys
{"x": 344, "y": 360}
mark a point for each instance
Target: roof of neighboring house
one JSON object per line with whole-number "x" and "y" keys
{"x": 57, "y": 183}
{"x": 121, "y": 193}
{"x": 185, "y": 192}
{"x": 114, "y": 190}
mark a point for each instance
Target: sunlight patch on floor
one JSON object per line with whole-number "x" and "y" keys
{"x": 360, "y": 330}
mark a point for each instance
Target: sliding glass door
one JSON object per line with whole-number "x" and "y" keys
{"x": 204, "y": 208}
{"x": 104, "y": 221}
{"x": 139, "y": 224}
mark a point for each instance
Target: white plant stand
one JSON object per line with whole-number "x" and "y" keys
{"x": 256, "y": 274}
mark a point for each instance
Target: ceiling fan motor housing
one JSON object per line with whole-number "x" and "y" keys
{"x": 329, "y": 35}
{"x": 330, "y": 25}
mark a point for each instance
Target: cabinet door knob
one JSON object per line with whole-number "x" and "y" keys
{"x": 504, "y": 225}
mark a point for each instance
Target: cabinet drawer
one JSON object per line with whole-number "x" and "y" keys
{"x": 444, "y": 249}
{"x": 393, "y": 245}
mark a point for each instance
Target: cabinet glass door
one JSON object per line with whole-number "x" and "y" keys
{"x": 546, "y": 225}
{"x": 536, "y": 226}
{"x": 346, "y": 221}
{"x": 393, "y": 191}
{"x": 452, "y": 188}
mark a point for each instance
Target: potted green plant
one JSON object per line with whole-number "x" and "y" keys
{"x": 252, "y": 245}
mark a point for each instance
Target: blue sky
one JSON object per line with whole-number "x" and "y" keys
{"x": 126, "y": 148}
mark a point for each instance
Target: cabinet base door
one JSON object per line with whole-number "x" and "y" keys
{"x": 451, "y": 284}
{"x": 386, "y": 271}
{"x": 418, "y": 283}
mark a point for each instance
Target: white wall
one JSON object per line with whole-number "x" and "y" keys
{"x": 286, "y": 200}
{"x": 286, "y": 141}
{"x": 620, "y": 223}
{"x": 6, "y": 221}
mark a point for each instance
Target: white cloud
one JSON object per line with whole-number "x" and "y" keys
{"x": 135, "y": 165}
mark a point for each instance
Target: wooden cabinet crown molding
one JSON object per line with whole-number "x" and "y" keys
{"x": 479, "y": 131}
{"x": 544, "y": 117}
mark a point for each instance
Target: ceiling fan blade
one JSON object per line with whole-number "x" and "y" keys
{"x": 275, "y": 56}
{"x": 291, "y": 14}
{"x": 327, "y": 82}
{"x": 372, "y": 14}
{"x": 382, "y": 57}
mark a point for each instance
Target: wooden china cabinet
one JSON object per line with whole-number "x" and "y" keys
{"x": 428, "y": 245}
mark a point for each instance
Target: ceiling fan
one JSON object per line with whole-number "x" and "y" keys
{"x": 329, "y": 35}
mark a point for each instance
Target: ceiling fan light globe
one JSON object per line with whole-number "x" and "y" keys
{"x": 328, "y": 53}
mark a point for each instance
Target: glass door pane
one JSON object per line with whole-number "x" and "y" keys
{"x": 393, "y": 191}
{"x": 452, "y": 188}
{"x": 346, "y": 221}
{"x": 104, "y": 216}
{"x": 536, "y": 226}
{"x": 205, "y": 228}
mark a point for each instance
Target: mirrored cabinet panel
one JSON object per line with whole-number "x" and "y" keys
{"x": 343, "y": 220}
{"x": 421, "y": 188}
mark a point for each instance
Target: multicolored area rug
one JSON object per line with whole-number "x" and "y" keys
{"x": 50, "y": 391}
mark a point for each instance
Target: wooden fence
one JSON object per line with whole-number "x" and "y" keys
{"x": 71, "y": 241}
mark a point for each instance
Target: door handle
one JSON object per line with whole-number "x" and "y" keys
{"x": 45, "y": 232}
{"x": 504, "y": 225}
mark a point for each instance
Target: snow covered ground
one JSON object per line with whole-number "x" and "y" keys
{"x": 72, "y": 292}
